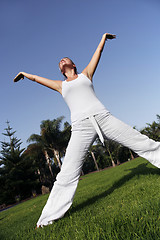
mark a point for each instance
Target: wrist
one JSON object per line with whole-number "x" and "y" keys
{"x": 23, "y": 74}
{"x": 104, "y": 36}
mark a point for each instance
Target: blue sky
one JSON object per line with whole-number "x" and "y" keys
{"x": 35, "y": 35}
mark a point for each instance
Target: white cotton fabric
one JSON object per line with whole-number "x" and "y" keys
{"x": 81, "y": 99}
{"x": 89, "y": 120}
{"x": 83, "y": 135}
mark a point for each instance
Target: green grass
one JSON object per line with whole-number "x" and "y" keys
{"x": 117, "y": 203}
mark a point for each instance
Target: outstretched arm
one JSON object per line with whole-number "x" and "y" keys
{"x": 91, "y": 67}
{"x": 53, "y": 84}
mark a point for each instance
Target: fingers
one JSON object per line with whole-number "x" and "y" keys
{"x": 113, "y": 36}
{"x": 110, "y": 36}
{"x": 18, "y": 77}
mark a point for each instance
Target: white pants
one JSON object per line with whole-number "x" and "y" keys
{"x": 83, "y": 135}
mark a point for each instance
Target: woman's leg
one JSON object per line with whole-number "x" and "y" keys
{"x": 116, "y": 130}
{"x": 61, "y": 196}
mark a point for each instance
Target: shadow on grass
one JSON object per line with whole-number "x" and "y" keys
{"x": 141, "y": 169}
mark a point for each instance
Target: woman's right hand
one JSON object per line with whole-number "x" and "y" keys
{"x": 109, "y": 36}
{"x": 19, "y": 76}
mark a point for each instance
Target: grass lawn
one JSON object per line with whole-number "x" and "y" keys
{"x": 117, "y": 203}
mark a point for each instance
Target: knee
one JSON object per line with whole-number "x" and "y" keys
{"x": 64, "y": 179}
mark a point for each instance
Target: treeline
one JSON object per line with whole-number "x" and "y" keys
{"x": 31, "y": 171}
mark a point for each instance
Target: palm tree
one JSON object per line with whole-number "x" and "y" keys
{"x": 40, "y": 143}
{"x": 52, "y": 139}
{"x": 91, "y": 150}
{"x": 45, "y": 171}
{"x": 94, "y": 159}
{"x": 56, "y": 138}
{"x": 110, "y": 155}
{"x": 35, "y": 153}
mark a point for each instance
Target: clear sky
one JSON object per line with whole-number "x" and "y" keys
{"x": 35, "y": 35}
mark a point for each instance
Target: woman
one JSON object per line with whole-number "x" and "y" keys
{"x": 89, "y": 118}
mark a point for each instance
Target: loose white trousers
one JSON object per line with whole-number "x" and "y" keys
{"x": 83, "y": 135}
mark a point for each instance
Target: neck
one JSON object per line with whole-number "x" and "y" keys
{"x": 70, "y": 74}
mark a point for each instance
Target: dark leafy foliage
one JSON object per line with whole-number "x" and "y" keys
{"x": 17, "y": 173}
{"x": 153, "y": 130}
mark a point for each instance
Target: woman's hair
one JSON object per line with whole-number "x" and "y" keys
{"x": 75, "y": 69}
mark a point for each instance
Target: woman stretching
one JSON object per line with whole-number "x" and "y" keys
{"x": 89, "y": 118}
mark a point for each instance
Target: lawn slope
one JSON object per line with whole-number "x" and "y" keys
{"x": 117, "y": 203}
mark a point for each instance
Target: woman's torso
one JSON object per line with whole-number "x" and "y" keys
{"x": 80, "y": 97}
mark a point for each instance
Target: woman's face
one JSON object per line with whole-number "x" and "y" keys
{"x": 65, "y": 62}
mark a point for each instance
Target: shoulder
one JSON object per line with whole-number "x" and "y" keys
{"x": 84, "y": 72}
{"x": 57, "y": 85}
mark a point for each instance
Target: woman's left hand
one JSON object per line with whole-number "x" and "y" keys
{"x": 19, "y": 76}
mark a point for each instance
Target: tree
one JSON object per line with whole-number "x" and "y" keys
{"x": 110, "y": 149}
{"x": 16, "y": 173}
{"x": 108, "y": 146}
{"x": 153, "y": 130}
{"x": 97, "y": 158}
{"x": 52, "y": 139}
{"x": 94, "y": 159}
{"x": 35, "y": 153}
